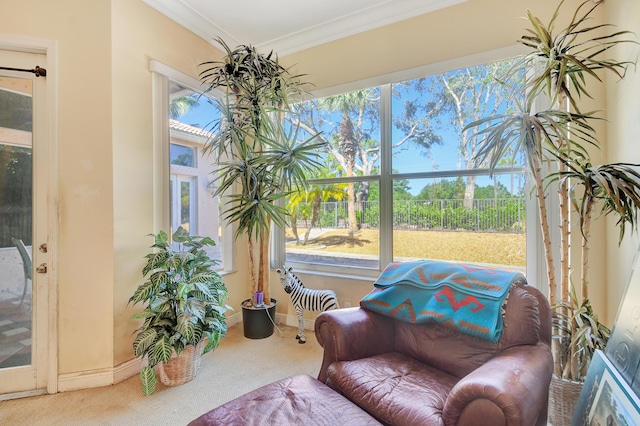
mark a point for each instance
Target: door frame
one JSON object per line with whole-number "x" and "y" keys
{"x": 48, "y": 48}
{"x": 176, "y": 206}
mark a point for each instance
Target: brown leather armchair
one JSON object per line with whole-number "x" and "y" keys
{"x": 429, "y": 374}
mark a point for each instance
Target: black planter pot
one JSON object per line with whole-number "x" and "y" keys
{"x": 257, "y": 323}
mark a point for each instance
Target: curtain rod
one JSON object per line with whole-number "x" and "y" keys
{"x": 39, "y": 72}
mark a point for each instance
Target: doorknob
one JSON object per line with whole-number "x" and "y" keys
{"x": 42, "y": 269}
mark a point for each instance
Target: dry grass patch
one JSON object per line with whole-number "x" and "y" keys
{"x": 482, "y": 247}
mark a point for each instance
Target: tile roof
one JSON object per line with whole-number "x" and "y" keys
{"x": 186, "y": 128}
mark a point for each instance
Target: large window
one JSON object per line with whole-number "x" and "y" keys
{"x": 400, "y": 178}
{"x": 184, "y": 196}
{"x": 191, "y": 203}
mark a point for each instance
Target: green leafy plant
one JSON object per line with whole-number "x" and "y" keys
{"x": 262, "y": 158}
{"x": 560, "y": 66}
{"x": 184, "y": 299}
{"x": 579, "y": 334}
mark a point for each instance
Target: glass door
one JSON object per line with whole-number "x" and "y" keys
{"x": 23, "y": 219}
{"x": 182, "y": 196}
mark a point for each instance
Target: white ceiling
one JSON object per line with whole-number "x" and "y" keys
{"x": 287, "y": 26}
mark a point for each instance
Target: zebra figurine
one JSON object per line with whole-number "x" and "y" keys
{"x": 305, "y": 298}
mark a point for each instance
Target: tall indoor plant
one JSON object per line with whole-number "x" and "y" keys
{"x": 261, "y": 156}
{"x": 184, "y": 314}
{"x": 557, "y": 143}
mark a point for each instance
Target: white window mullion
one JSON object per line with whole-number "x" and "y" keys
{"x": 161, "y": 207}
{"x": 386, "y": 181}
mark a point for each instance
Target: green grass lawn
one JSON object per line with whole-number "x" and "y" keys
{"x": 476, "y": 247}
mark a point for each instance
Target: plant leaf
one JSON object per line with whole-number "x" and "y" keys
{"x": 162, "y": 349}
{"x": 148, "y": 380}
{"x": 147, "y": 313}
{"x": 143, "y": 292}
{"x": 144, "y": 340}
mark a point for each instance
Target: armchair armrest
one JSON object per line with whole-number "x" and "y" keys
{"x": 510, "y": 389}
{"x": 352, "y": 333}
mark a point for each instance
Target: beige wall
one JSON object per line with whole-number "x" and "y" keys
{"x": 105, "y": 159}
{"x": 106, "y": 141}
{"x": 85, "y": 272}
{"x": 139, "y": 35}
{"x": 431, "y": 39}
{"x": 623, "y": 135}
{"x": 461, "y": 30}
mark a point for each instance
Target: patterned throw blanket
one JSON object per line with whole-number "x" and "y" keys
{"x": 466, "y": 297}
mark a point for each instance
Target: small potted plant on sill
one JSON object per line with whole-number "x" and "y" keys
{"x": 262, "y": 158}
{"x": 184, "y": 316}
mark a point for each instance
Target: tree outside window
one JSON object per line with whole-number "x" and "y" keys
{"x": 412, "y": 171}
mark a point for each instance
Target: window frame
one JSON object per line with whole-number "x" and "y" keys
{"x": 193, "y": 150}
{"x": 162, "y": 75}
{"x": 386, "y": 177}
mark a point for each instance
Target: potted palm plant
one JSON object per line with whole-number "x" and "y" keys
{"x": 261, "y": 157}
{"x": 557, "y": 143}
{"x": 184, "y": 315}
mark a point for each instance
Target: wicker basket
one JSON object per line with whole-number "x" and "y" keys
{"x": 181, "y": 368}
{"x": 563, "y": 400}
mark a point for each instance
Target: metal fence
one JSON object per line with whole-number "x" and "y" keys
{"x": 15, "y": 222}
{"x": 486, "y": 215}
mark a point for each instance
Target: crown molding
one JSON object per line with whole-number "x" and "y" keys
{"x": 378, "y": 15}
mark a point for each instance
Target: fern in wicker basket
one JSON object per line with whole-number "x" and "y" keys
{"x": 185, "y": 308}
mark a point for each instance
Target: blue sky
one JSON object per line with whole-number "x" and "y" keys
{"x": 405, "y": 160}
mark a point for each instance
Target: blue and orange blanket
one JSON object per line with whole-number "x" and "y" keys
{"x": 467, "y": 297}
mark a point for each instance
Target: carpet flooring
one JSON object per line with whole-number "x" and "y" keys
{"x": 238, "y": 366}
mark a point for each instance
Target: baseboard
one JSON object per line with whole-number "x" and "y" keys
{"x": 234, "y": 319}
{"x": 292, "y": 320}
{"x": 127, "y": 369}
{"x": 101, "y": 377}
{"x": 110, "y": 376}
{"x": 85, "y": 379}
{"x": 117, "y": 374}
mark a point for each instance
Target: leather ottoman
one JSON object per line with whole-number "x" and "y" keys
{"x": 296, "y": 400}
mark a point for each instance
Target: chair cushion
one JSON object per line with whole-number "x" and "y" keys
{"x": 394, "y": 388}
{"x": 442, "y": 347}
{"x": 459, "y": 354}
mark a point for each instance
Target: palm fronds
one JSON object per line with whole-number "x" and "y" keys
{"x": 260, "y": 159}
{"x": 568, "y": 57}
{"x": 616, "y": 186}
{"x": 561, "y": 66}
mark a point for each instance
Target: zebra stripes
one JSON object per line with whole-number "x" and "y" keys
{"x": 305, "y": 298}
